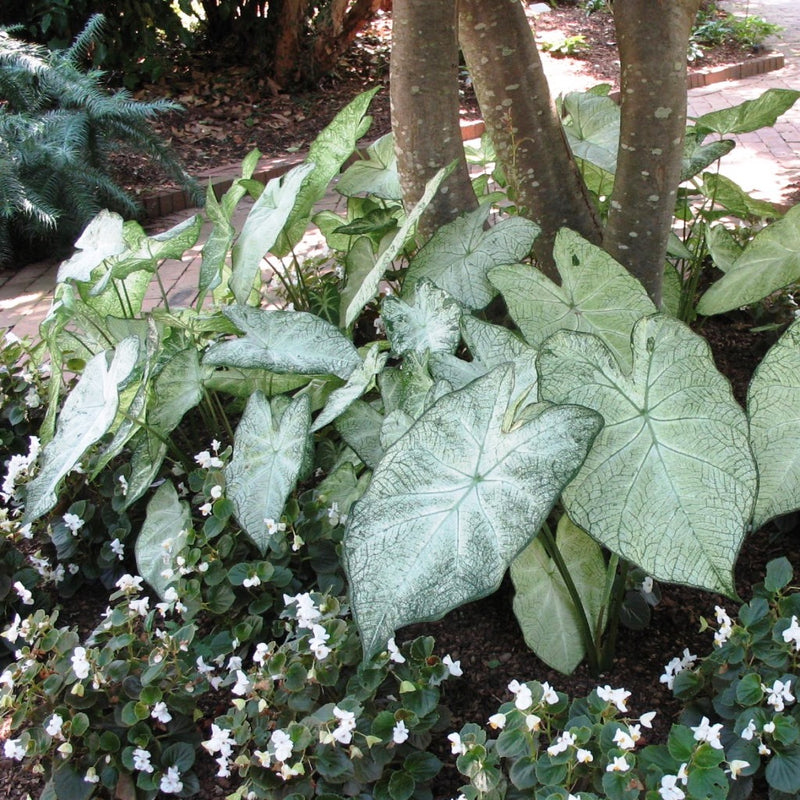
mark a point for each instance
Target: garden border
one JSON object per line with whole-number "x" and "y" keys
{"x": 172, "y": 200}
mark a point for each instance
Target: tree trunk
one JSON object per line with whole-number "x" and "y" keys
{"x": 425, "y": 107}
{"x": 289, "y": 27}
{"x": 653, "y": 91}
{"x": 337, "y": 32}
{"x": 515, "y": 101}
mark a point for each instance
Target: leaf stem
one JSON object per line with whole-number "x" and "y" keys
{"x": 589, "y": 642}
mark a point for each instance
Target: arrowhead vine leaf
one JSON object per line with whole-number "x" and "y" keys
{"x": 670, "y": 482}
{"x": 453, "y": 501}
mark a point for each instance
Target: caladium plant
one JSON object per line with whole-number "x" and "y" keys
{"x": 446, "y": 443}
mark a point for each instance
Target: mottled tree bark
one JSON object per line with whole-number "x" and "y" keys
{"x": 288, "y": 16}
{"x": 425, "y": 107}
{"x": 653, "y": 36}
{"x": 521, "y": 117}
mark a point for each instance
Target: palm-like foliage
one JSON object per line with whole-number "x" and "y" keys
{"x": 58, "y": 126}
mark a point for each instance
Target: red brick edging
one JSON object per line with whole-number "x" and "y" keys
{"x": 173, "y": 200}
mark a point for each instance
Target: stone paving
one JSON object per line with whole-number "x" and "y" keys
{"x": 765, "y": 163}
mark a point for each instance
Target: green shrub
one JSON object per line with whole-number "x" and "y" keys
{"x": 58, "y": 127}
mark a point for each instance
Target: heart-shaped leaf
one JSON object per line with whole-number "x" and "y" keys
{"x": 101, "y": 239}
{"x": 375, "y": 175}
{"x": 670, "y": 482}
{"x": 597, "y": 295}
{"x": 773, "y": 406}
{"x": 453, "y": 501}
{"x": 162, "y": 537}
{"x": 88, "y": 413}
{"x": 360, "y": 426}
{"x": 270, "y": 452}
{"x": 749, "y": 115}
{"x": 284, "y": 341}
{"x": 429, "y": 324}
{"x": 592, "y": 128}
{"x": 460, "y": 254}
{"x": 543, "y": 606}
{"x": 770, "y": 262}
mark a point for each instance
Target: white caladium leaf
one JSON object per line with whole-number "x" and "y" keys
{"x": 88, "y": 413}
{"x": 101, "y": 239}
{"x": 361, "y": 380}
{"x": 492, "y": 345}
{"x": 597, "y": 295}
{"x": 459, "y": 255}
{"x": 428, "y": 324}
{"x": 375, "y": 175}
{"x": 542, "y": 604}
{"x": 406, "y": 387}
{"x": 260, "y": 231}
{"x": 770, "y": 262}
{"x": 178, "y": 388}
{"x": 284, "y": 341}
{"x": 270, "y": 452}
{"x": 162, "y": 537}
{"x": 592, "y": 127}
{"x": 360, "y": 427}
{"x": 773, "y": 406}
{"x": 453, "y": 502}
{"x": 670, "y": 482}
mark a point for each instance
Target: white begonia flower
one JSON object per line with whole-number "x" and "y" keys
{"x": 118, "y": 549}
{"x": 623, "y": 740}
{"x": 216, "y": 492}
{"x": 347, "y": 724}
{"x": 24, "y": 593}
{"x": 171, "y": 783}
{"x": 779, "y": 694}
{"x": 206, "y": 509}
{"x": 234, "y": 663}
{"x": 583, "y": 756}
{"x": 123, "y": 485}
{"x": 706, "y": 732}
{"x": 54, "y": 725}
{"x": 307, "y": 611}
{"x": 400, "y": 732}
{"x": 140, "y": 606}
{"x": 274, "y": 527}
{"x": 792, "y": 633}
{"x": 282, "y": 745}
{"x": 564, "y": 741}
{"x": 141, "y": 760}
{"x": 206, "y": 461}
{"x": 669, "y": 789}
{"x": 683, "y": 773}
{"x": 523, "y": 698}
{"x": 13, "y": 748}
{"x": 532, "y": 722}
{"x": 457, "y": 747}
{"x": 549, "y": 694}
{"x": 749, "y": 731}
{"x": 261, "y": 653}
{"x": 129, "y": 583}
{"x": 647, "y": 719}
{"x": 215, "y": 445}
{"x": 242, "y": 685}
{"x": 262, "y": 756}
{"x": 73, "y": 522}
{"x": 497, "y": 721}
{"x": 394, "y": 652}
{"x": 160, "y": 712}
{"x": 317, "y": 642}
{"x": 769, "y": 727}
{"x": 763, "y": 750}
{"x": 617, "y": 697}
{"x": 287, "y": 772}
{"x": 619, "y": 764}
{"x": 736, "y": 766}
{"x": 647, "y": 585}
{"x": 333, "y": 514}
{"x": 251, "y": 580}
{"x": 7, "y": 679}
{"x": 91, "y": 776}
{"x": 453, "y": 667}
{"x": 80, "y": 664}
{"x": 725, "y": 626}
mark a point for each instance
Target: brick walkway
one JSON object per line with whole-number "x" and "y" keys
{"x": 764, "y": 163}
